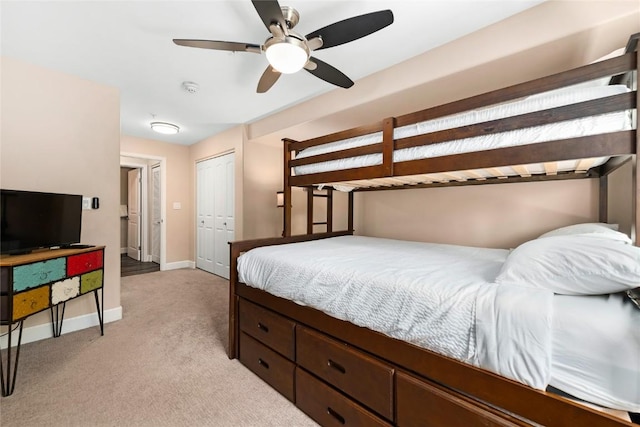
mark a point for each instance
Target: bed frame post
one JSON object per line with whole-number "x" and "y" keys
{"x": 388, "y": 126}
{"x": 286, "y": 229}
{"x": 350, "y": 213}
{"x": 310, "y": 210}
{"x": 233, "y": 302}
{"x": 603, "y": 212}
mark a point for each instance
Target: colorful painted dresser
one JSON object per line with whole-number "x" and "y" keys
{"x": 42, "y": 280}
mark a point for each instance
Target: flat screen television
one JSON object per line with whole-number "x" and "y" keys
{"x": 31, "y": 220}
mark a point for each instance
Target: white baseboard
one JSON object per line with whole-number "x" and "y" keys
{"x": 44, "y": 331}
{"x": 123, "y": 251}
{"x": 179, "y": 264}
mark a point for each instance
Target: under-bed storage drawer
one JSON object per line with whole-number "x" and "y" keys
{"x": 274, "y": 369}
{"x": 328, "y": 407}
{"x": 360, "y": 376}
{"x": 268, "y": 327}
{"x": 424, "y": 404}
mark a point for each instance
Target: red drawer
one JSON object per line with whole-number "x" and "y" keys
{"x": 81, "y": 263}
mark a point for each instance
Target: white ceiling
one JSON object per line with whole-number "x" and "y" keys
{"x": 128, "y": 45}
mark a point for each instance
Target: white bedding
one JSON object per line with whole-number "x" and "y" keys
{"x": 586, "y": 346}
{"x": 603, "y": 123}
{"x": 380, "y": 284}
{"x": 605, "y": 367}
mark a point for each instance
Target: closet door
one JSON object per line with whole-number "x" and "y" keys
{"x": 215, "y": 213}
{"x": 204, "y": 216}
{"x": 224, "y": 212}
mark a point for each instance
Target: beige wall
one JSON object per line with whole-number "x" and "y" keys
{"x": 177, "y": 221}
{"x": 61, "y": 134}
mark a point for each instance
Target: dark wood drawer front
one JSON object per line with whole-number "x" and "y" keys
{"x": 269, "y": 328}
{"x": 423, "y": 404}
{"x": 362, "y": 377}
{"x": 274, "y": 369}
{"x": 329, "y": 407}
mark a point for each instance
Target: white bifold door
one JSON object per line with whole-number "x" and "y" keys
{"x": 215, "y": 209}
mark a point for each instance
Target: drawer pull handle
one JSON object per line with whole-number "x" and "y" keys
{"x": 335, "y": 415}
{"x": 263, "y": 327}
{"x": 263, "y": 364}
{"x": 338, "y": 367}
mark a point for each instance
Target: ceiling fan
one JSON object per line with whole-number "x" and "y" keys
{"x": 289, "y": 52}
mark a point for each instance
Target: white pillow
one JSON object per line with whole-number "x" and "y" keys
{"x": 574, "y": 265}
{"x": 609, "y": 231}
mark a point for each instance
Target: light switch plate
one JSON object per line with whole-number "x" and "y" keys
{"x": 86, "y": 203}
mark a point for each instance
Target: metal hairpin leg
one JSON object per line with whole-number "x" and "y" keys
{"x": 10, "y": 384}
{"x": 56, "y": 321}
{"x": 100, "y": 309}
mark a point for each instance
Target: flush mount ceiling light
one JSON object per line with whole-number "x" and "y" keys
{"x": 165, "y": 128}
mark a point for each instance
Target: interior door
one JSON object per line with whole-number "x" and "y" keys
{"x": 224, "y": 212}
{"x": 204, "y": 216}
{"x": 156, "y": 214}
{"x": 215, "y": 213}
{"x": 133, "y": 223}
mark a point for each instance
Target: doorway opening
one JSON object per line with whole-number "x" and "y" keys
{"x": 142, "y": 213}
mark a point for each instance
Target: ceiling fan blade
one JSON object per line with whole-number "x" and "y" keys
{"x": 219, "y": 45}
{"x": 352, "y": 29}
{"x": 329, "y": 74}
{"x": 269, "y": 77}
{"x": 270, "y": 12}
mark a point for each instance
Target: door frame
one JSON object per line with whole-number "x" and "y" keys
{"x": 141, "y": 161}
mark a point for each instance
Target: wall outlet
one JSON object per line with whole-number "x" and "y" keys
{"x": 86, "y": 203}
{"x": 177, "y": 205}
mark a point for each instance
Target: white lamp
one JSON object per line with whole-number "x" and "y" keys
{"x": 165, "y": 128}
{"x": 286, "y": 55}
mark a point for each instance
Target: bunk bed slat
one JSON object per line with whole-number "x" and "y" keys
{"x": 612, "y": 144}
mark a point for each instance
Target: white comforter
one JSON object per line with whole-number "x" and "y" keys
{"x": 441, "y": 297}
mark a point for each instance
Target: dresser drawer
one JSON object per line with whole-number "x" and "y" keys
{"x": 39, "y": 273}
{"x": 269, "y": 328}
{"x": 328, "y": 407}
{"x": 82, "y": 263}
{"x": 274, "y": 369}
{"x": 30, "y": 302}
{"x": 362, "y": 377}
{"x": 423, "y": 404}
{"x": 64, "y": 290}
{"x": 90, "y": 281}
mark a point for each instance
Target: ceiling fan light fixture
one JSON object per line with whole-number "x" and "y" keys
{"x": 287, "y": 55}
{"x": 165, "y": 128}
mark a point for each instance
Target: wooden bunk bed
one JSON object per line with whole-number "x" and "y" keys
{"x": 343, "y": 374}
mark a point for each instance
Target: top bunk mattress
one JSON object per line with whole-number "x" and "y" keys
{"x": 598, "y": 124}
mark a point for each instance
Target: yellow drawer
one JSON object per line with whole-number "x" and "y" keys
{"x": 29, "y": 302}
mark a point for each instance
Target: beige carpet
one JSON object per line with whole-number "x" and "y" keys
{"x": 163, "y": 364}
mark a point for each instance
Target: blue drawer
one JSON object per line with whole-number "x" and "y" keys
{"x": 39, "y": 273}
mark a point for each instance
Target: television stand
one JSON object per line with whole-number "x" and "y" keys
{"x": 43, "y": 280}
